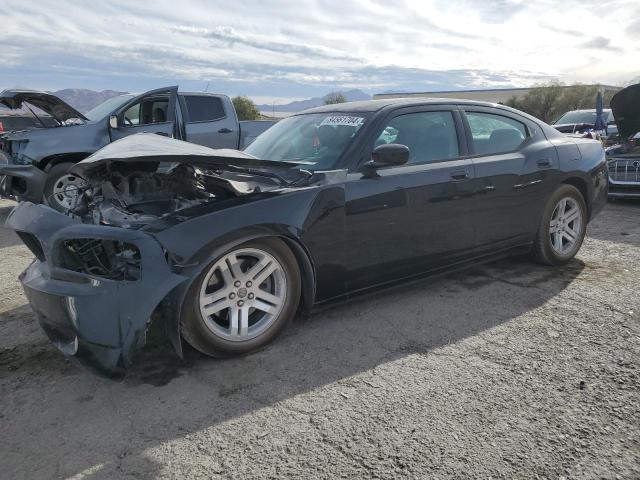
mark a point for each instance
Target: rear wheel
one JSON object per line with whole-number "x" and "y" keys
{"x": 62, "y": 188}
{"x": 562, "y": 228}
{"x": 242, "y": 300}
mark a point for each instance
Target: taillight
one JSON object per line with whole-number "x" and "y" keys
{"x": 1, "y": 127}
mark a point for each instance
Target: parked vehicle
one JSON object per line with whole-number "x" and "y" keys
{"x": 47, "y": 154}
{"x": 583, "y": 121}
{"x": 624, "y": 159}
{"x": 227, "y": 246}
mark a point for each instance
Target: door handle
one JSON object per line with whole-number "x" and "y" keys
{"x": 544, "y": 163}
{"x": 225, "y": 130}
{"x": 459, "y": 175}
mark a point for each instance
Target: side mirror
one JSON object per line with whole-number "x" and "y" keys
{"x": 386, "y": 156}
{"x": 113, "y": 121}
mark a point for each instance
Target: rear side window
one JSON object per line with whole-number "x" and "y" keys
{"x": 430, "y": 136}
{"x": 494, "y": 134}
{"x": 204, "y": 108}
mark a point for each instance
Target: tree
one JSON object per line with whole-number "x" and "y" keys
{"x": 245, "y": 108}
{"x": 541, "y": 101}
{"x": 548, "y": 102}
{"x": 334, "y": 97}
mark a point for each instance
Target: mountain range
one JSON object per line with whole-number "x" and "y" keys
{"x": 83, "y": 99}
{"x": 298, "y": 105}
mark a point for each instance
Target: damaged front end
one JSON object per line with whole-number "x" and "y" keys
{"x": 93, "y": 288}
{"x": 99, "y": 272}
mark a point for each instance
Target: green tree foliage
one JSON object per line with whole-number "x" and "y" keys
{"x": 548, "y": 102}
{"x": 334, "y": 97}
{"x": 245, "y": 108}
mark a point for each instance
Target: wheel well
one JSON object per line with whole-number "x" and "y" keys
{"x": 307, "y": 272}
{"x": 581, "y": 185}
{"x": 49, "y": 162}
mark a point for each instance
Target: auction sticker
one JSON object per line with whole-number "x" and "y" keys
{"x": 343, "y": 120}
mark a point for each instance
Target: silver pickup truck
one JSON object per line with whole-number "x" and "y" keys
{"x": 44, "y": 155}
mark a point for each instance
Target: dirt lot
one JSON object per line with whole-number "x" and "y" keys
{"x": 508, "y": 370}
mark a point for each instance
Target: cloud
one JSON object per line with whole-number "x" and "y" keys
{"x": 633, "y": 28}
{"x": 306, "y": 48}
{"x": 564, "y": 31}
{"x": 601, "y": 43}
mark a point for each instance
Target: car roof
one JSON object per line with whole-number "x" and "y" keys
{"x": 376, "y": 105}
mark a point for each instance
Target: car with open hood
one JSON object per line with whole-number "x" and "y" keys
{"x": 584, "y": 121}
{"x": 223, "y": 248}
{"x": 624, "y": 159}
{"x": 44, "y": 156}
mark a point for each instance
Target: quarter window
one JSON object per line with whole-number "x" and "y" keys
{"x": 430, "y": 136}
{"x": 204, "y": 108}
{"x": 494, "y": 134}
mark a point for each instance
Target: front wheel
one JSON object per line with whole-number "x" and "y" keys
{"x": 242, "y": 300}
{"x": 62, "y": 188}
{"x": 562, "y": 228}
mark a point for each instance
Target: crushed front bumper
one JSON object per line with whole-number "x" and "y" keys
{"x": 99, "y": 321}
{"x": 22, "y": 182}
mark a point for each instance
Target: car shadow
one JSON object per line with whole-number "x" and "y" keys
{"x": 171, "y": 397}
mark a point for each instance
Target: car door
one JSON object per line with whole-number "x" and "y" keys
{"x": 151, "y": 112}
{"x": 208, "y": 120}
{"x": 415, "y": 217}
{"x": 513, "y": 161}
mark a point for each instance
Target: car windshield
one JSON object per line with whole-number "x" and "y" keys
{"x": 106, "y": 107}
{"x": 318, "y": 139}
{"x": 582, "y": 116}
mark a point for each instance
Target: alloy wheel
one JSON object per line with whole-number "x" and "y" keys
{"x": 565, "y": 228}
{"x": 242, "y": 294}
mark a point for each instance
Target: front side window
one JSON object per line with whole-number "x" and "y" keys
{"x": 317, "y": 139}
{"x": 430, "y": 136}
{"x": 146, "y": 111}
{"x": 204, "y": 108}
{"x": 493, "y": 134}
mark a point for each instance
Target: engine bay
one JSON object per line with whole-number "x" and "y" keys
{"x": 133, "y": 195}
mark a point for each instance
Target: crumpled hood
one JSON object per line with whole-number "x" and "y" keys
{"x": 46, "y": 102}
{"x": 625, "y": 106}
{"x": 150, "y": 147}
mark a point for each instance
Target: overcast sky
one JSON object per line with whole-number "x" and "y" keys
{"x": 278, "y": 50}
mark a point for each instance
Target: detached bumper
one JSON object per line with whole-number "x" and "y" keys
{"x": 22, "y": 182}
{"x": 99, "y": 321}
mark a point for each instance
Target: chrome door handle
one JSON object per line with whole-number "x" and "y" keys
{"x": 459, "y": 175}
{"x": 544, "y": 163}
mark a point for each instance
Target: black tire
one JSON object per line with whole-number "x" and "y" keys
{"x": 195, "y": 330}
{"x": 543, "y": 250}
{"x": 53, "y": 176}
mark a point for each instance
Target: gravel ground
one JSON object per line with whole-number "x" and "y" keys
{"x": 509, "y": 370}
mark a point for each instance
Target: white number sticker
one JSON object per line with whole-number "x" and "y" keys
{"x": 343, "y": 120}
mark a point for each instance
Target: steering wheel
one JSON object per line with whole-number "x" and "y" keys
{"x": 128, "y": 122}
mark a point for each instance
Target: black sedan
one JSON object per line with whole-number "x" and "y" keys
{"x": 226, "y": 247}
